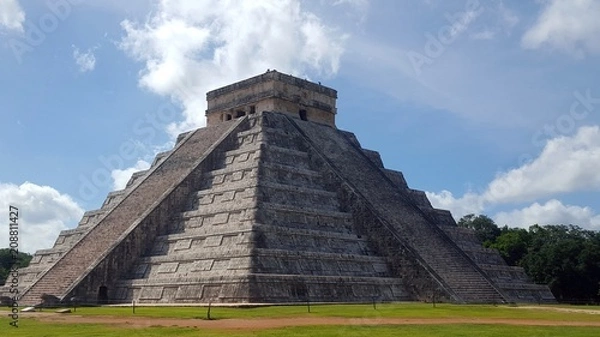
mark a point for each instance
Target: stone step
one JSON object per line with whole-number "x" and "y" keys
{"x": 206, "y": 253}
{"x": 248, "y": 155}
{"x": 257, "y": 134}
{"x": 195, "y": 226}
{"x": 298, "y": 199}
{"x": 248, "y": 149}
{"x": 242, "y": 203}
{"x": 113, "y": 198}
{"x": 286, "y": 139}
{"x": 285, "y": 156}
{"x": 223, "y": 201}
{"x": 290, "y": 175}
{"x": 224, "y": 188}
{"x": 298, "y": 254}
{"x": 136, "y": 177}
{"x": 291, "y": 169}
{"x": 202, "y": 242}
{"x": 74, "y": 231}
{"x": 91, "y": 218}
{"x": 191, "y": 236}
{"x": 406, "y": 220}
{"x": 146, "y": 196}
{"x": 231, "y": 173}
{"x": 306, "y": 210}
{"x": 175, "y": 280}
{"x": 297, "y": 189}
{"x": 322, "y": 232}
{"x": 211, "y": 279}
{"x": 260, "y": 129}
{"x": 310, "y": 243}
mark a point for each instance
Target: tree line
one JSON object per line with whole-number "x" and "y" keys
{"x": 565, "y": 257}
{"x": 6, "y": 262}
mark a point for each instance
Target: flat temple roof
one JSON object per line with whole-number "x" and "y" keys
{"x": 273, "y": 75}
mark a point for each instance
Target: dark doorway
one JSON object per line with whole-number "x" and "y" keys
{"x": 303, "y": 115}
{"x": 102, "y": 295}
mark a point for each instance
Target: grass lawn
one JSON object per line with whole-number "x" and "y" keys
{"x": 30, "y": 327}
{"x": 398, "y": 310}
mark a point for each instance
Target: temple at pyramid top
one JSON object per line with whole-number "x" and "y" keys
{"x": 272, "y": 91}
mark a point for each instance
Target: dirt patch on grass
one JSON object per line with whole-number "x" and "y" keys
{"x": 570, "y": 310}
{"x": 271, "y": 323}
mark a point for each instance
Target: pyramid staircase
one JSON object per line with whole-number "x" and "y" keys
{"x": 512, "y": 280}
{"x": 121, "y": 232}
{"x": 445, "y": 262}
{"x": 261, "y": 227}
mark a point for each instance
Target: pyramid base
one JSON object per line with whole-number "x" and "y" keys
{"x": 257, "y": 288}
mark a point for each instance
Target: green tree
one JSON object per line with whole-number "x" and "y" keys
{"x": 485, "y": 228}
{"x": 567, "y": 258}
{"x": 6, "y": 262}
{"x": 512, "y": 244}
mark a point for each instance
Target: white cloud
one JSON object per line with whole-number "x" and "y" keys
{"x": 568, "y": 25}
{"x": 190, "y": 47}
{"x": 467, "y": 204}
{"x": 43, "y": 213}
{"x": 552, "y": 212}
{"x": 121, "y": 177}
{"x": 86, "y": 61}
{"x": 12, "y": 15}
{"x": 566, "y": 165}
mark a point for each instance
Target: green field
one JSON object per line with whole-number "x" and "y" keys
{"x": 399, "y": 310}
{"x": 31, "y": 327}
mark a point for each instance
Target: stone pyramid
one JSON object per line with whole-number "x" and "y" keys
{"x": 271, "y": 203}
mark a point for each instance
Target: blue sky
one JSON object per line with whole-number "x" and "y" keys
{"x": 490, "y": 107}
